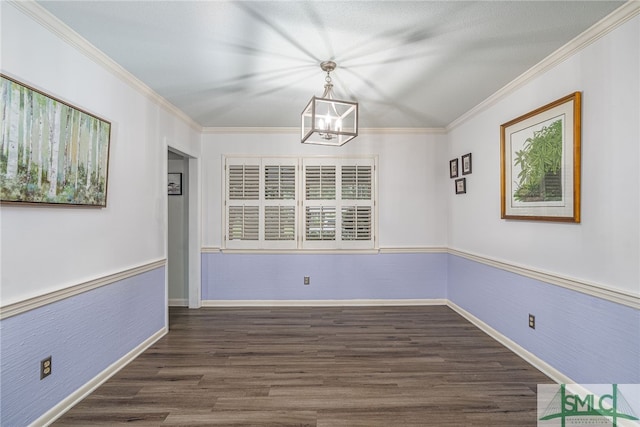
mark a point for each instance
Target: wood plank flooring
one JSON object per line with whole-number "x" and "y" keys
{"x": 303, "y": 366}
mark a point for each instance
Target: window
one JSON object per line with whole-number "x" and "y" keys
{"x": 270, "y": 205}
{"x": 338, "y": 203}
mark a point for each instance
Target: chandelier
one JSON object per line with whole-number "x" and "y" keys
{"x": 328, "y": 121}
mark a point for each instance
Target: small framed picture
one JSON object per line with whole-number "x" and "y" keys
{"x": 175, "y": 184}
{"x": 453, "y": 168}
{"x": 466, "y": 164}
{"x": 461, "y": 185}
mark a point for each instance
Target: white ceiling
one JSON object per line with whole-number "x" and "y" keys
{"x": 256, "y": 64}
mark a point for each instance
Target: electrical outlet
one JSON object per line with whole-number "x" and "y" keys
{"x": 532, "y": 321}
{"x": 45, "y": 368}
{"x": 307, "y": 280}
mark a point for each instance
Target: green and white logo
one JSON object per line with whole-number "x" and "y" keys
{"x": 613, "y": 405}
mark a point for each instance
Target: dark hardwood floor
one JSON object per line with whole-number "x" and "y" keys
{"x": 351, "y": 366}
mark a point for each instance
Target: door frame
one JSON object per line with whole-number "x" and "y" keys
{"x": 193, "y": 266}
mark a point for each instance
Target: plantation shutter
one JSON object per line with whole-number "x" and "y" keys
{"x": 260, "y": 202}
{"x": 357, "y": 210}
{"x": 299, "y": 203}
{"x": 243, "y": 222}
{"x": 338, "y": 203}
{"x": 280, "y": 210}
{"x": 320, "y": 215}
{"x": 320, "y": 182}
{"x": 243, "y": 203}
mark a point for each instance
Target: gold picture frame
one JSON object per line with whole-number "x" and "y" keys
{"x": 540, "y": 163}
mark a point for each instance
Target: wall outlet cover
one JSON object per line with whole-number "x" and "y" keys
{"x": 45, "y": 368}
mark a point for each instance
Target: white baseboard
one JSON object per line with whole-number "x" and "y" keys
{"x": 178, "y": 302}
{"x": 321, "y": 303}
{"x": 528, "y": 357}
{"x": 74, "y": 398}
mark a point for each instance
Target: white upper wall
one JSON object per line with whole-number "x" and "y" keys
{"x": 410, "y": 178}
{"x": 49, "y": 248}
{"x": 604, "y": 248}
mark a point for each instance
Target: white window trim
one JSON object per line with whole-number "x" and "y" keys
{"x": 300, "y": 244}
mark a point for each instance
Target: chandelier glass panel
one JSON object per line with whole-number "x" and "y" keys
{"x": 328, "y": 121}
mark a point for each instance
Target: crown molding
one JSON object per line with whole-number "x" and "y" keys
{"x": 624, "y": 13}
{"x": 404, "y": 131}
{"x": 209, "y": 130}
{"x": 64, "y": 32}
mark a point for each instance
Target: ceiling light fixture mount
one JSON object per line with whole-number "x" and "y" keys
{"x": 326, "y": 120}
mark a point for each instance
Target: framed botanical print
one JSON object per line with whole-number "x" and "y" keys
{"x": 540, "y": 163}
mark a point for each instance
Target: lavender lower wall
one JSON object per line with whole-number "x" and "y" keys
{"x": 333, "y": 276}
{"x": 84, "y": 334}
{"x": 590, "y": 340}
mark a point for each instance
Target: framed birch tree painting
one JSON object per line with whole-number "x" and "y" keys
{"x": 50, "y": 151}
{"x": 540, "y": 163}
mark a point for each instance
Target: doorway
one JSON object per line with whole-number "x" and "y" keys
{"x": 183, "y": 233}
{"x": 178, "y": 230}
